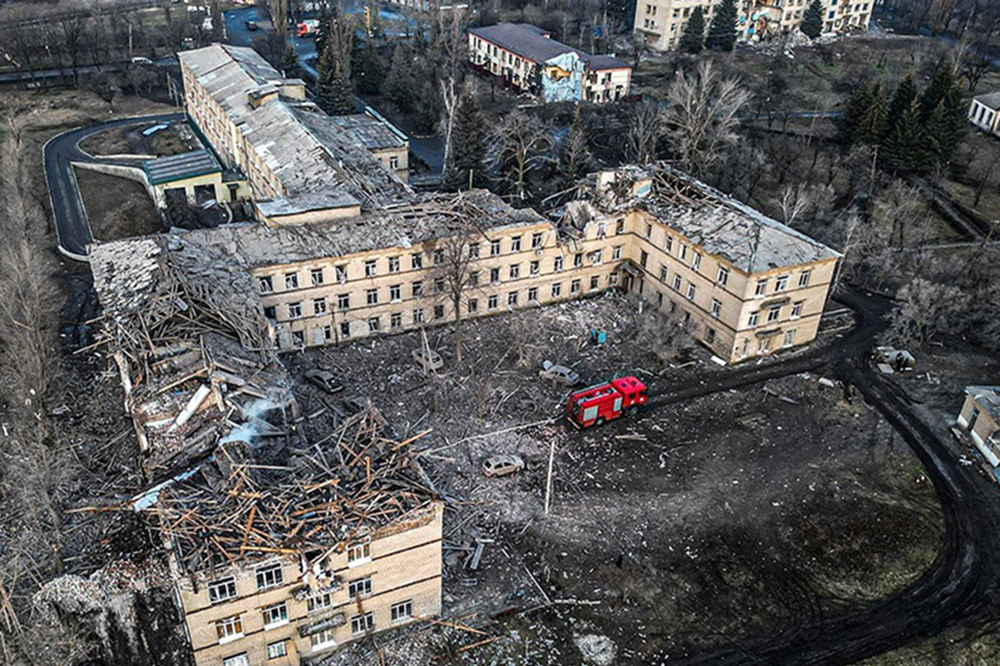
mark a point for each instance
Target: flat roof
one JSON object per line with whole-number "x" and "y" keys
{"x": 533, "y": 43}
{"x": 991, "y": 100}
{"x": 180, "y": 167}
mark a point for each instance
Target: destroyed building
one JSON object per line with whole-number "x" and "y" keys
{"x": 300, "y": 165}
{"x": 279, "y": 547}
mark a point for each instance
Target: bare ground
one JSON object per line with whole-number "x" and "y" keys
{"x": 684, "y": 527}
{"x": 117, "y": 207}
{"x": 172, "y": 140}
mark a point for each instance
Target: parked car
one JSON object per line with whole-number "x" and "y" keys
{"x": 251, "y": 25}
{"x": 502, "y": 465}
{"x": 325, "y": 380}
{"x": 428, "y": 359}
{"x": 559, "y": 373}
{"x": 141, "y": 60}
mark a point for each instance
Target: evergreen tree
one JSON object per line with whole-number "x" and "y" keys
{"x": 430, "y": 107}
{"x": 467, "y": 145}
{"x": 946, "y": 127}
{"x": 367, "y": 68}
{"x": 871, "y": 126}
{"x": 812, "y": 20}
{"x": 941, "y": 84}
{"x": 693, "y": 39}
{"x": 722, "y": 31}
{"x": 333, "y": 87}
{"x": 902, "y": 100}
{"x": 905, "y": 148}
{"x": 575, "y": 158}
{"x": 290, "y": 63}
{"x": 400, "y": 84}
{"x": 854, "y": 110}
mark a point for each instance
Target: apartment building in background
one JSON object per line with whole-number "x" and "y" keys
{"x": 529, "y": 60}
{"x": 662, "y": 21}
{"x": 300, "y": 164}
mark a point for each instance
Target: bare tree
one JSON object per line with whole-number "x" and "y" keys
{"x": 449, "y": 97}
{"x": 702, "y": 114}
{"x": 901, "y": 207}
{"x": 975, "y": 63}
{"x": 453, "y": 274}
{"x": 927, "y": 309}
{"x": 645, "y": 128}
{"x": 518, "y": 145}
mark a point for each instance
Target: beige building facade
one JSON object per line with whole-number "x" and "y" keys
{"x": 980, "y": 416}
{"x": 265, "y": 613}
{"x": 736, "y": 310}
{"x": 662, "y": 21}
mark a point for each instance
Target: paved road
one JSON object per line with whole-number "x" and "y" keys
{"x": 71, "y": 223}
{"x": 82, "y": 70}
{"x": 960, "y": 588}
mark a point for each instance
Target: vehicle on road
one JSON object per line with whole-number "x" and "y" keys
{"x": 325, "y": 380}
{"x": 141, "y": 60}
{"x": 599, "y": 404}
{"x": 559, "y": 373}
{"x": 502, "y": 465}
{"x": 428, "y": 359}
{"x": 251, "y": 25}
{"x": 307, "y": 28}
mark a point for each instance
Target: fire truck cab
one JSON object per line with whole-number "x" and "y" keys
{"x": 605, "y": 402}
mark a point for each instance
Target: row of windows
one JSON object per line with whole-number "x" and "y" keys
{"x": 513, "y": 298}
{"x": 774, "y": 314}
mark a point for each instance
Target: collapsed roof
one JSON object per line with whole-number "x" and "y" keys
{"x": 723, "y": 226}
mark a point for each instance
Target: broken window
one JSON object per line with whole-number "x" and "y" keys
{"x": 343, "y": 301}
{"x": 291, "y": 280}
{"x": 578, "y": 260}
{"x": 515, "y": 271}
{"x": 473, "y": 278}
{"x": 643, "y": 258}
{"x": 797, "y": 310}
{"x": 275, "y": 614}
{"x": 690, "y": 292}
{"x": 222, "y": 589}
{"x": 597, "y": 257}
{"x": 294, "y": 310}
{"x": 594, "y": 282}
{"x": 781, "y": 283}
{"x": 696, "y": 261}
{"x": 761, "y": 288}
{"x": 362, "y": 623}
{"x": 533, "y": 295}
{"x": 345, "y": 329}
{"x": 663, "y": 273}
{"x": 804, "y": 278}
{"x": 395, "y": 293}
{"x": 402, "y": 611}
{"x": 266, "y": 286}
{"x": 619, "y": 226}
{"x": 473, "y": 305}
{"x": 298, "y": 338}
{"x": 316, "y": 276}
{"x": 512, "y": 298}
{"x": 613, "y": 279}
{"x": 710, "y": 335}
{"x": 574, "y": 287}
{"x": 438, "y": 256}
{"x": 237, "y": 660}
{"x": 371, "y": 268}
{"x": 340, "y": 273}
{"x": 789, "y": 338}
{"x": 276, "y": 650}
{"x": 773, "y": 314}
{"x": 533, "y": 268}
{"x": 319, "y": 602}
{"x": 556, "y": 289}
{"x": 515, "y": 244}
{"x": 439, "y": 311}
{"x": 492, "y": 301}
{"x": 328, "y": 333}
{"x": 418, "y": 289}
{"x": 418, "y": 316}
{"x": 716, "y": 308}
{"x": 395, "y": 320}
{"x": 669, "y": 244}
{"x": 361, "y": 587}
{"x": 416, "y": 260}
{"x": 371, "y": 296}
{"x": 319, "y": 306}
{"x": 374, "y": 324}
{"x": 754, "y": 317}
{"x": 723, "y": 277}
{"x": 616, "y": 252}
{"x": 649, "y": 230}
{"x": 557, "y": 264}
{"x": 536, "y": 240}
{"x": 438, "y": 285}
{"x": 322, "y": 639}
{"x": 676, "y": 286}
{"x": 394, "y": 264}
{"x": 494, "y": 275}
{"x": 474, "y": 250}
{"x": 229, "y": 628}
{"x": 494, "y": 248}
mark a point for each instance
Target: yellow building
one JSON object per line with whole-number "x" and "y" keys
{"x": 980, "y": 416}
{"x": 662, "y": 21}
{"x": 301, "y": 165}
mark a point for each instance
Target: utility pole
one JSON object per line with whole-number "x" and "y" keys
{"x": 548, "y": 478}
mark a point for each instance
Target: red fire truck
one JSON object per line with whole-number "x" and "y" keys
{"x": 604, "y": 402}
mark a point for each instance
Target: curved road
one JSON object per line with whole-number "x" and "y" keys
{"x": 961, "y": 586}
{"x": 60, "y": 152}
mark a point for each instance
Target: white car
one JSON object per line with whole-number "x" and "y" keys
{"x": 559, "y": 373}
{"x": 502, "y": 465}
{"x": 429, "y": 359}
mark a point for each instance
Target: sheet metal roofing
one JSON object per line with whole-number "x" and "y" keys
{"x": 987, "y": 397}
{"x": 989, "y": 100}
{"x": 179, "y": 167}
{"x": 723, "y": 226}
{"x": 308, "y": 151}
{"x": 531, "y": 42}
